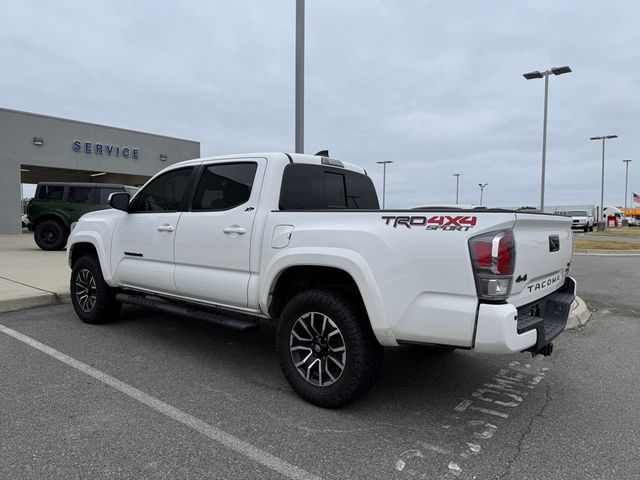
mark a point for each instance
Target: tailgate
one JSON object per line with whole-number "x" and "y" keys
{"x": 544, "y": 244}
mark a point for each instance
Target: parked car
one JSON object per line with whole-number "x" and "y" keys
{"x": 300, "y": 240}
{"x": 57, "y": 205}
{"x": 582, "y": 219}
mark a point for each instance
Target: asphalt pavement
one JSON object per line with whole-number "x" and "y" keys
{"x": 158, "y": 396}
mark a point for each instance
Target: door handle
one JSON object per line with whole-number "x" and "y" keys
{"x": 235, "y": 229}
{"x": 165, "y": 227}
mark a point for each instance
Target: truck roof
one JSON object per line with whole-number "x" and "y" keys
{"x": 283, "y": 157}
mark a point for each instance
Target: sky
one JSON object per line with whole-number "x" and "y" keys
{"x": 434, "y": 86}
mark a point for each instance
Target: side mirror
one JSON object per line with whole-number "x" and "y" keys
{"x": 119, "y": 201}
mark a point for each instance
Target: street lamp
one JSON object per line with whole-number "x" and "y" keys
{"x": 384, "y": 178}
{"x": 626, "y": 184}
{"x": 457, "y": 175}
{"x": 299, "y": 103}
{"x": 482, "y": 190}
{"x": 545, "y": 75}
{"x": 601, "y": 222}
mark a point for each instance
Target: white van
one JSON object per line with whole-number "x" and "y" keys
{"x": 611, "y": 210}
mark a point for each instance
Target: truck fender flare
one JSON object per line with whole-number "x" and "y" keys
{"x": 95, "y": 240}
{"x": 350, "y": 262}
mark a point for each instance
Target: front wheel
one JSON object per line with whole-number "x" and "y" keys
{"x": 326, "y": 348}
{"x": 93, "y": 300}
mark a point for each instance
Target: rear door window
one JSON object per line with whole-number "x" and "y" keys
{"x": 80, "y": 195}
{"x": 50, "y": 192}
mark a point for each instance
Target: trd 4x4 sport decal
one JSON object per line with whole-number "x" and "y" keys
{"x": 459, "y": 223}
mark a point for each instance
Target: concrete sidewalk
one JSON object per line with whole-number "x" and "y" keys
{"x": 31, "y": 277}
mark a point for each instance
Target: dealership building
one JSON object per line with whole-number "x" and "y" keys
{"x": 38, "y": 148}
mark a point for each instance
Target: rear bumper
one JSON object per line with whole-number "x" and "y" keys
{"x": 507, "y": 329}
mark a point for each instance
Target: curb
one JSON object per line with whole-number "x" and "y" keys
{"x": 32, "y": 301}
{"x": 579, "y": 315}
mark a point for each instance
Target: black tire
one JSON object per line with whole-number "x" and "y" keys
{"x": 586, "y": 228}
{"x": 93, "y": 300}
{"x": 51, "y": 235}
{"x": 362, "y": 358}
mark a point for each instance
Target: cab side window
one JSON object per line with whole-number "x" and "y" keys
{"x": 164, "y": 193}
{"x": 224, "y": 186}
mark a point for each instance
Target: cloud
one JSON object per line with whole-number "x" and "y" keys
{"x": 436, "y": 87}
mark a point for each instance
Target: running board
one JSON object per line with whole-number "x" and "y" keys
{"x": 187, "y": 311}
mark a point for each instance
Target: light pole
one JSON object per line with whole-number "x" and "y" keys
{"x": 545, "y": 74}
{"x": 482, "y": 190}
{"x": 626, "y": 184}
{"x": 457, "y": 175}
{"x": 384, "y": 178}
{"x": 299, "y": 134}
{"x": 601, "y": 221}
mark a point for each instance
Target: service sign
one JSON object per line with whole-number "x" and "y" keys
{"x": 105, "y": 149}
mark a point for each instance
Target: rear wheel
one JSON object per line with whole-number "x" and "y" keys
{"x": 93, "y": 300}
{"x": 326, "y": 348}
{"x": 51, "y": 235}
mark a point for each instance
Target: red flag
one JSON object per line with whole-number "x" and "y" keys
{"x": 636, "y": 198}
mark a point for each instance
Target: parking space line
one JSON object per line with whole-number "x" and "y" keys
{"x": 254, "y": 453}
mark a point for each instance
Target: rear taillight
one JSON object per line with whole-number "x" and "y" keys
{"x": 493, "y": 257}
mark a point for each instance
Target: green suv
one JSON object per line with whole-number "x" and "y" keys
{"x": 57, "y": 205}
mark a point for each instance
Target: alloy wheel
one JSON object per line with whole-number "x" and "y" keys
{"x": 86, "y": 290}
{"x": 318, "y": 349}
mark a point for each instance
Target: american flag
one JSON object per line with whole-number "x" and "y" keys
{"x": 636, "y": 198}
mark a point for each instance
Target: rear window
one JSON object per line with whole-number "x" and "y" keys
{"x": 317, "y": 187}
{"x": 50, "y": 192}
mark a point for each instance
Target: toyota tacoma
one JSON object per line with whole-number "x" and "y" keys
{"x": 300, "y": 240}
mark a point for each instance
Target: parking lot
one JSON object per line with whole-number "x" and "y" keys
{"x": 156, "y": 396}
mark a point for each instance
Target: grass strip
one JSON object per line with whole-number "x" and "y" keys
{"x": 604, "y": 245}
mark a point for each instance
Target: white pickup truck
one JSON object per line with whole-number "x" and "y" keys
{"x": 300, "y": 240}
{"x": 582, "y": 219}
